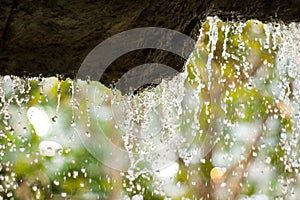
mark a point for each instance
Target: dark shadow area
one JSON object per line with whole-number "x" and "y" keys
{"x": 54, "y": 36}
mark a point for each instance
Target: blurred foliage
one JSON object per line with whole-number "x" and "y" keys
{"x": 232, "y": 72}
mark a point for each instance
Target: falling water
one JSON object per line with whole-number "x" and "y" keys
{"x": 226, "y": 127}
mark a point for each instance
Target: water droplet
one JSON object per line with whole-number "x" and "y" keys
{"x": 87, "y": 134}
{"x": 54, "y": 118}
{"x": 34, "y": 188}
{"x": 49, "y": 148}
{"x": 56, "y": 182}
{"x": 63, "y": 194}
{"x": 22, "y": 149}
{"x": 268, "y": 160}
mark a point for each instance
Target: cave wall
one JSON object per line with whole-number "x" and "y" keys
{"x": 50, "y": 37}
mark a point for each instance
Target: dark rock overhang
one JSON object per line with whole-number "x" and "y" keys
{"x": 50, "y": 37}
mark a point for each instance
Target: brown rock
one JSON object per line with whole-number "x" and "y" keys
{"x": 52, "y": 37}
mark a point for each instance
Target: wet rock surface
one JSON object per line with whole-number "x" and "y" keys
{"x": 50, "y": 37}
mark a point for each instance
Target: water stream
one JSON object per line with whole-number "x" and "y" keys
{"x": 227, "y": 127}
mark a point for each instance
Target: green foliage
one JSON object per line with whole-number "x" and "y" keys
{"x": 231, "y": 71}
